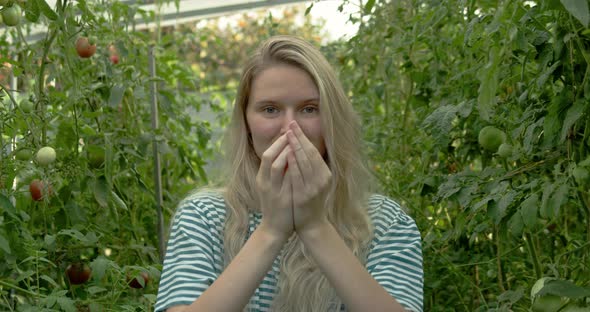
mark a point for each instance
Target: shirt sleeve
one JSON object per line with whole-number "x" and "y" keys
{"x": 395, "y": 259}
{"x": 189, "y": 264}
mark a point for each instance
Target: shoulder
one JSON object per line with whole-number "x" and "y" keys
{"x": 387, "y": 211}
{"x": 207, "y": 204}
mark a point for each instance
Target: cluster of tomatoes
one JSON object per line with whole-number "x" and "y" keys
{"x": 11, "y": 12}
{"x": 46, "y": 155}
{"x": 86, "y": 47}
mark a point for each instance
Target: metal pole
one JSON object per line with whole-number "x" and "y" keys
{"x": 157, "y": 171}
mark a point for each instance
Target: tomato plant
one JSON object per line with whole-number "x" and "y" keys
{"x": 96, "y": 117}
{"x": 440, "y": 87}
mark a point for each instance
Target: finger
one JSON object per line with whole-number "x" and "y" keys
{"x": 301, "y": 157}
{"x": 310, "y": 150}
{"x": 278, "y": 167}
{"x": 295, "y": 173}
{"x": 271, "y": 153}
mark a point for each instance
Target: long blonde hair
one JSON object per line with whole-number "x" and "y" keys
{"x": 301, "y": 285}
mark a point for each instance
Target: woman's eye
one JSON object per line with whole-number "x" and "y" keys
{"x": 310, "y": 109}
{"x": 270, "y": 110}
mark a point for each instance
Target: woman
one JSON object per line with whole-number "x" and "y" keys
{"x": 295, "y": 228}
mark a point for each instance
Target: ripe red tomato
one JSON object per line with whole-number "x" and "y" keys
{"x": 135, "y": 283}
{"x": 36, "y": 188}
{"x": 115, "y": 59}
{"x": 78, "y": 273}
{"x": 84, "y": 48}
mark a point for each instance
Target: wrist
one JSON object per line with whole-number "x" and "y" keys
{"x": 315, "y": 230}
{"x": 272, "y": 236}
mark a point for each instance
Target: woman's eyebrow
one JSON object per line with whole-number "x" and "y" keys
{"x": 266, "y": 101}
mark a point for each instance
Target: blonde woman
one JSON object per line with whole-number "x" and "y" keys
{"x": 295, "y": 228}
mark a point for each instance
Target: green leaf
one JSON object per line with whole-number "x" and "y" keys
{"x": 488, "y": 78}
{"x": 50, "y": 242}
{"x": 515, "y": 224}
{"x": 511, "y": 295}
{"x": 564, "y": 288}
{"x": 6, "y": 205}
{"x": 95, "y": 289}
{"x": 554, "y": 202}
{"x": 99, "y": 267}
{"x": 116, "y": 95}
{"x": 66, "y": 136}
{"x": 573, "y": 114}
{"x": 46, "y": 10}
{"x": 119, "y": 203}
{"x": 73, "y": 233}
{"x": 308, "y": 9}
{"x": 369, "y": 6}
{"x": 503, "y": 205}
{"x": 440, "y": 123}
{"x": 91, "y": 238}
{"x": 32, "y": 12}
{"x": 49, "y": 280}
{"x": 579, "y": 9}
{"x": 546, "y": 73}
{"x": 528, "y": 210}
{"x": 4, "y": 245}
{"x": 101, "y": 191}
{"x": 66, "y": 304}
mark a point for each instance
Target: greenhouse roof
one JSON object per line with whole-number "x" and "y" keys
{"x": 186, "y": 11}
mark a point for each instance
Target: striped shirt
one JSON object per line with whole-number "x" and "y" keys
{"x": 194, "y": 256}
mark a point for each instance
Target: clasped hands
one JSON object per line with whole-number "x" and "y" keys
{"x": 293, "y": 182}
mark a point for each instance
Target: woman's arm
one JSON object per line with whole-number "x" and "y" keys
{"x": 234, "y": 287}
{"x": 354, "y": 285}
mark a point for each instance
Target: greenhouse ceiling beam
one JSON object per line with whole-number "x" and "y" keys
{"x": 188, "y": 11}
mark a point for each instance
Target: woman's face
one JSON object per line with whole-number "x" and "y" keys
{"x": 280, "y": 94}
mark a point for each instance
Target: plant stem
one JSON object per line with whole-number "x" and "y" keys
{"x": 499, "y": 259}
{"x": 26, "y": 291}
{"x": 534, "y": 257}
{"x": 586, "y": 208}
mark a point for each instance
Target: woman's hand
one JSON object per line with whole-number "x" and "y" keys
{"x": 275, "y": 191}
{"x": 311, "y": 178}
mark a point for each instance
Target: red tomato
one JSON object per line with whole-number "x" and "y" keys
{"x": 36, "y": 188}
{"x": 134, "y": 283}
{"x": 84, "y": 48}
{"x": 115, "y": 59}
{"x": 78, "y": 273}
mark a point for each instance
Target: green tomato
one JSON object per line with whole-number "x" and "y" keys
{"x": 11, "y": 15}
{"x": 505, "y": 150}
{"x": 547, "y": 303}
{"x": 96, "y": 156}
{"x": 26, "y": 106}
{"x": 490, "y": 138}
{"x": 46, "y": 156}
{"x": 23, "y": 155}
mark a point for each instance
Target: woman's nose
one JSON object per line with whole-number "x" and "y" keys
{"x": 287, "y": 118}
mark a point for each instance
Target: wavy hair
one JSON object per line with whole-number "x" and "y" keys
{"x": 301, "y": 284}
